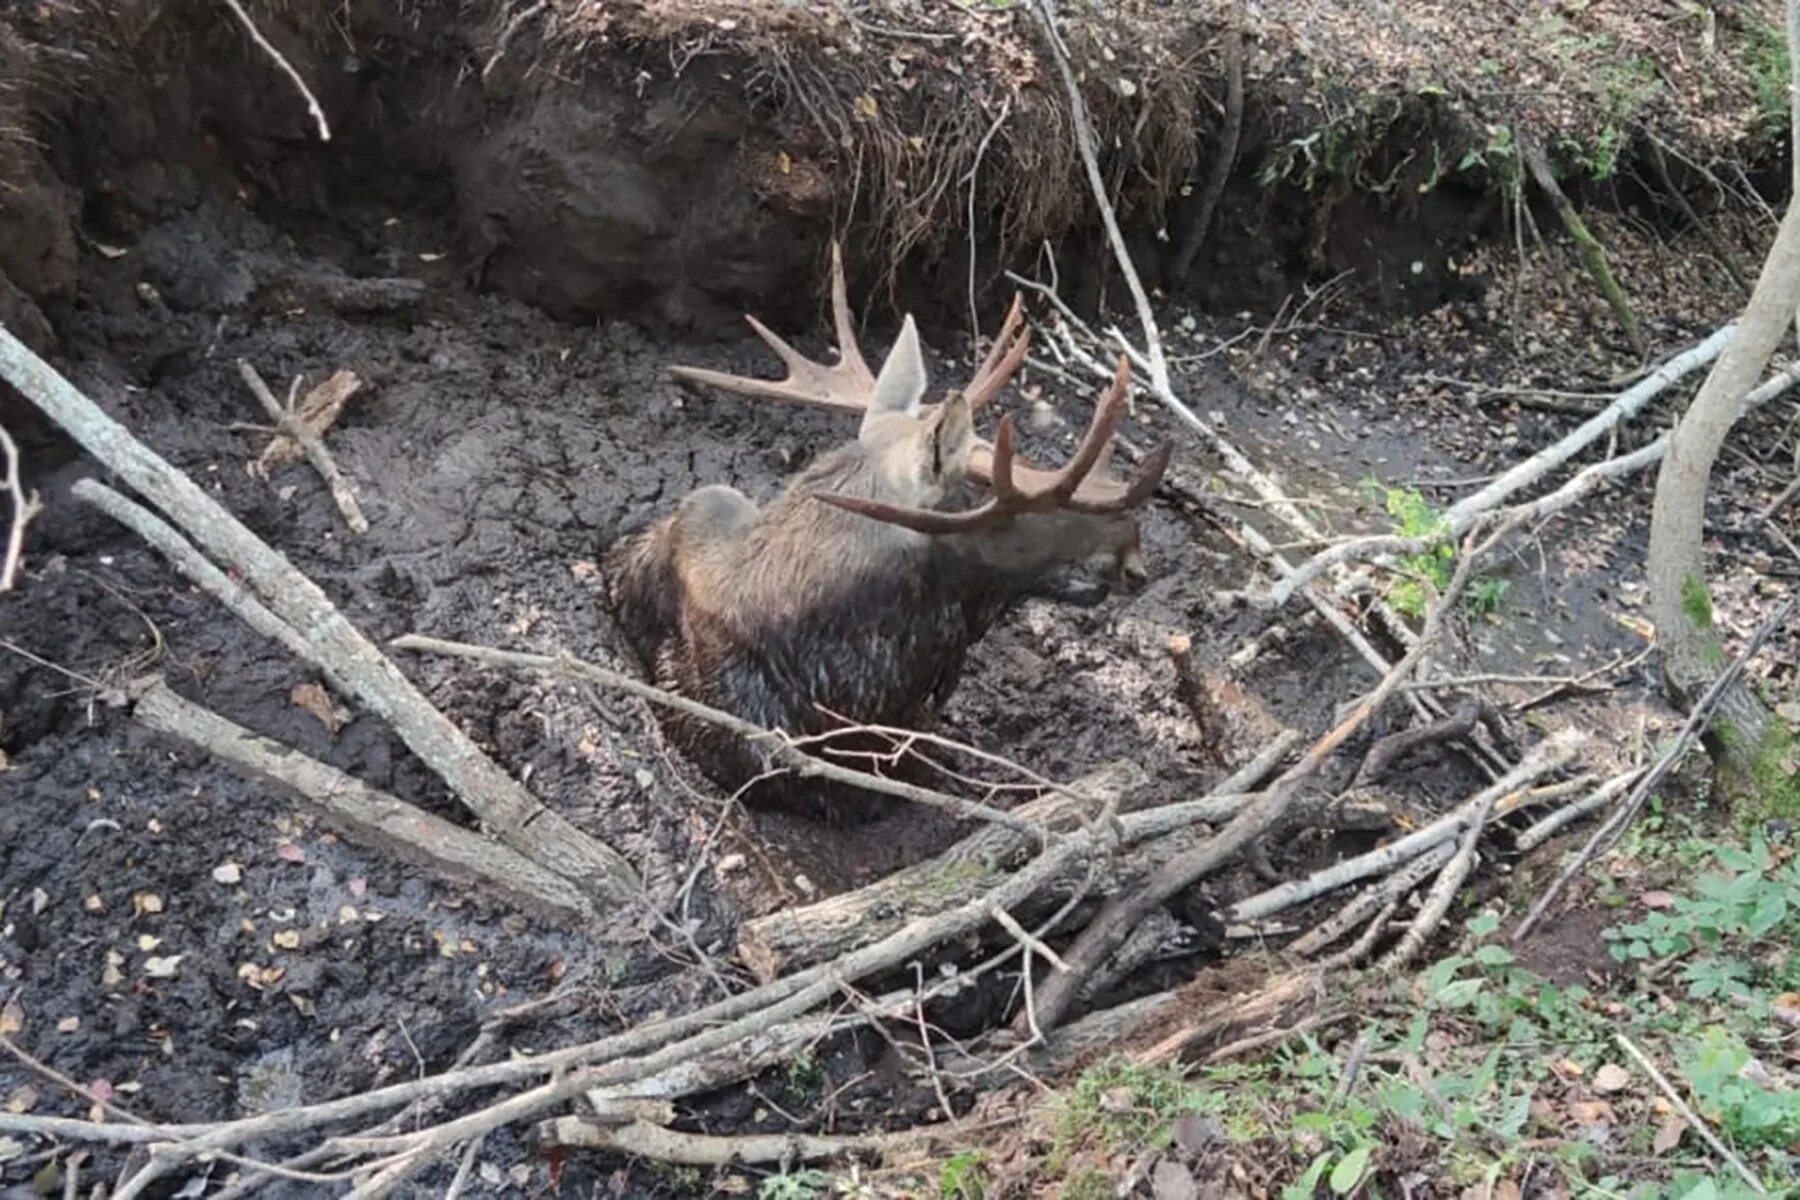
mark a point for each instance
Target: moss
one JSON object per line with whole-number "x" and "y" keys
{"x": 1773, "y": 791}
{"x": 1696, "y": 602}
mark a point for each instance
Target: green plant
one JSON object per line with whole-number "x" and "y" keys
{"x": 803, "y": 1073}
{"x": 960, "y": 1177}
{"x": 1414, "y": 517}
{"x": 1751, "y": 1113}
{"x": 809, "y": 1183}
{"x": 1765, "y": 56}
{"x": 1736, "y": 917}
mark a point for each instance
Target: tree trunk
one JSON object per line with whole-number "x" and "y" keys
{"x": 1744, "y": 734}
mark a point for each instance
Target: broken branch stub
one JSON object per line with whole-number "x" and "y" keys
{"x": 351, "y": 662}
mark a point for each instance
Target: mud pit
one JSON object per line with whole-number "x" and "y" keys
{"x": 498, "y": 449}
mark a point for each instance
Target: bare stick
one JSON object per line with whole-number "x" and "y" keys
{"x": 801, "y": 764}
{"x": 287, "y": 68}
{"x": 190, "y": 562}
{"x": 368, "y": 815}
{"x": 1371, "y": 900}
{"x": 343, "y": 493}
{"x": 639, "y": 1053}
{"x": 352, "y": 663}
{"x": 662, "y": 1144}
{"x": 1541, "y": 832}
{"x": 1461, "y": 516}
{"x": 1691, "y": 729}
{"x": 789, "y": 937}
{"x": 1116, "y": 920}
{"x": 1442, "y": 893}
{"x": 24, "y": 508}
{"x": 1084, "y": 141}
{"x": 1689, "y": 1115}
{"x": 1592, "y": 252}
{"x": 1224, "y": 154}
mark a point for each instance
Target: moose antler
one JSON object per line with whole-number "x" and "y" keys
{"x": 848, "y": 385}
{"x": 1019, "y": 489}
{"x": 1083, "y": 485}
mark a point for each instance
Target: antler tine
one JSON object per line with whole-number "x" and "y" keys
{"x": 1001, "y": 473}
{"x": 845, "y": 386}
{"x": 1144, "y": 481}
{"x": 919, "y": 520}
{"x": 849, "y": 352}
{"x": 1099, "y": 435}
{"x": 1003, "y": 359}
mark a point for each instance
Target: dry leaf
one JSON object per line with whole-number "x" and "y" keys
{"x": 1668, "y": 1134}
{"x": 867, "y": 108}
{"x": 1591, "y": 1112}
{"x": 145, "y": 903}
{"x": 165, "y": 967}
{"x": 287, "y": 939}
{"x": 22, "y": 1099}
{"x": 111, "y": 976}
{"x": 313, "y": 698}
{"x": 1611, "y": 1077}
{"x": 12, "y": 1017}
{"x": 1172, "y": 1181}
{"x": 319, "y": 410}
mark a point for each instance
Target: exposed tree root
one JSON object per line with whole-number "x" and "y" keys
{"x": 1592, "y": 252}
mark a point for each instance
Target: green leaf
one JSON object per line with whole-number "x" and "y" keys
{"x": 1349, "y": 1171}
{"x": 1493, "y": 956}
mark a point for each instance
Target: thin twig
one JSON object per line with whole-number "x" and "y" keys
{"x": 24, "y": 508}
{"x": 801, "y": 764}
{"x": 1689, "y": 1115}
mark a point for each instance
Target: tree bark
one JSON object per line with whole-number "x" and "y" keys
{"x": 1693, "y": 651}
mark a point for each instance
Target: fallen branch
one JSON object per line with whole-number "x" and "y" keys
{"x": 1206, "y": 201}
{"x": 287, "y": 68}
{"x": 193, "y": 564}
{"x": 642, "y": 1052}
{"x": 1543, "y": 830}
{"x": 1372, "y": 900}
{"x": 1157, "y": 364}
{"x": 367, "y": 815}
{"x": 287, "y": 418}
{"x": 24, "y": 508}
{"x": 1592, "y": 252}
{"x": 664, "y": 1145}
{"x": 835, "y": 925}
{"x": 1462, "y": 516}
{"x": 349, "y": 660}
{"x": 1116, "y": 920}
{"x": 1443, "y": 892}
{"x": 1615, "y": 825}
{"x": 797, "y": 761}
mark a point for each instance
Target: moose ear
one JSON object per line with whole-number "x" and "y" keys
{"x": 949, "y": 435}
{"x": 902, "y": 382}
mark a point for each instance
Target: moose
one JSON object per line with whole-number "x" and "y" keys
{"x": 854, "y": 595}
